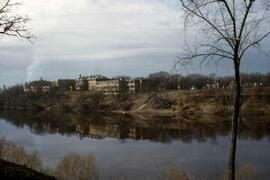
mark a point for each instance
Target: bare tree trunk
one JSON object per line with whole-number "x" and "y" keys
{"x": 230, "y": 29}
{"x": 234, "y": 128}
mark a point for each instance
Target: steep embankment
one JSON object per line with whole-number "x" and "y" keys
{"x": 214, "y": 101}
{"x": 254, "y": 101}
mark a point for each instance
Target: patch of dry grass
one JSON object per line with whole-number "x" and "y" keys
{"x": 244, "y": 172}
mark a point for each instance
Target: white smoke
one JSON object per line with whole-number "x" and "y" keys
{"x": 33, "y": 71}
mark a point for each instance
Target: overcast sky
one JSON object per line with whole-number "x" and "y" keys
{"x": 109, "y": 37}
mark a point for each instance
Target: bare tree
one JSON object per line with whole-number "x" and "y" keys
{"x": 228, "y": 28}
{"x": 13, "y": 25}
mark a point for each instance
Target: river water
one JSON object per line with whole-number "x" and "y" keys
{"x": 141, "y": 147}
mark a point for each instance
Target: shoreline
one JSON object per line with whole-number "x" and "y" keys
{"x": 10, "y": 170}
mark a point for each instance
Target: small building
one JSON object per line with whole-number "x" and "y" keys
{"x": 138, "y": 86}
{"x": 46, "y": 88}
{"x": 30, "y": 89}
{"x": 64, "y": 84}
{"x": 38, "y": 86}
{"x": 214, "y": 85}
{"x": 82, "y": 85}
{"x": 231, "y": 85}
{"x": 93, "y": 82}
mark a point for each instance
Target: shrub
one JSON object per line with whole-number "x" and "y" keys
{"x": 174, "y": 174}
{"x": 71, "y": 167}
{"x": 244, "y": 172}
{"x": 77, "y": 167}
{"x": 10, "y": 152}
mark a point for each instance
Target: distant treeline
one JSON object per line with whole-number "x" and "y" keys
{"x": 167, "y": 81}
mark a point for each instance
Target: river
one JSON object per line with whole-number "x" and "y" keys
{"x": 141, "y": 147}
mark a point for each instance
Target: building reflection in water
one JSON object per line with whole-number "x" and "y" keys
{"x": 161, "y": 129}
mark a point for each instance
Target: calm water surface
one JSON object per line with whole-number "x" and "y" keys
{"x": 141, "y": 147}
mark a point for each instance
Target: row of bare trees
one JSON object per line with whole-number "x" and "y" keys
{"x": 167, "y": 81}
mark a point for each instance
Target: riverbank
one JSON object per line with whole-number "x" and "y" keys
{"x": 17, "y": 163}
{"x": 9, "y": 170}
{"x": 255, "y": 101}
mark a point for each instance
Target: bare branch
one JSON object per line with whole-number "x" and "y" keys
{"x": 229, "y": 27}
{"x": 254, "y": 44}
{"x": 14, "y": 25}
{"x": 243, "y": 23}
{"x": 5, "y": 5}
{"x": 198, "y": 12}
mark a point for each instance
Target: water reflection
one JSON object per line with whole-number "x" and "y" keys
{"x": 140, "y": 147}
{"x": 163, "y": 129}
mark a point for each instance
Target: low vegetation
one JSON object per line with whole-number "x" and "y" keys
{"x": 9, "y": 170}
{"x": 244, "y": 172}
{"x": 175, "y": 174}
{"x": 75, "y": 167}
{"x": 71, "y": 167}
{"x": 10, "y": 152}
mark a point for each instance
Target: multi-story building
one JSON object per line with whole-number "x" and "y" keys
{"x": 115, "y": 86}
{"x": 108, "y": 86}
{"x": 92, "y": 83}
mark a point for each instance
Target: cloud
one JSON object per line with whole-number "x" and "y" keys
{"x": 90, "y": 36}
{"x": 100, "y": 31}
